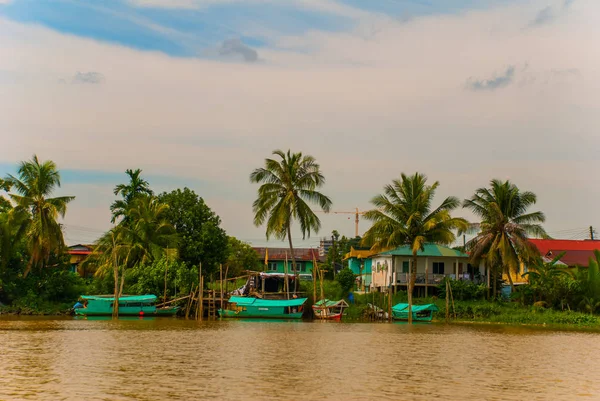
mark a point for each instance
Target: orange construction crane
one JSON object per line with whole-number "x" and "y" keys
{"x": 356, "y": 213}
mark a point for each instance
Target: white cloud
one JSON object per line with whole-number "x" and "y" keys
{"x": 367, "y": 104}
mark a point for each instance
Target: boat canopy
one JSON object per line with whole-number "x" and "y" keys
{"x": 250, "y": 301}
{"x": 415, "y": 308}
{"x": 326, "y": 303}
{"x": 124, "y": 298}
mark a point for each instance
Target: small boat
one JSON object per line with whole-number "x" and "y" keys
{"x": 420, "y": 313}
{"x": 252, "y": 307}
{"x": 129, "y": 305}
{"x": 329, "y": 310}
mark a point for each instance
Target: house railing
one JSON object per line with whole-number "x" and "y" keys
{"x": 435, "y": 279}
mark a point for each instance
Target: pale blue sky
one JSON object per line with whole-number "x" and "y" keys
{"x": 198, "y": 92}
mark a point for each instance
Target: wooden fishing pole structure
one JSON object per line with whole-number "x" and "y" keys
{"x": 448, "y": 298}
{"x": 285, "y": 272}
{"x": 200, "y": 306}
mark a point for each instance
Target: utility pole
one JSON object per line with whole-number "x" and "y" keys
{"x": 591, "y": 233}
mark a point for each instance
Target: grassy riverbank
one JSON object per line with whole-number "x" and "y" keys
{"x": 482, "y": 312}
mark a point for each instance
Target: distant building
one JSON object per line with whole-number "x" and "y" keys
{"x": 324, "y": 246}
{"x": 577, "y": 252}
{"x": 275, "y": 259}
{"x": 78, "y": 253}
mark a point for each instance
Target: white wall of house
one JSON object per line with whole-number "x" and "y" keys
{"x": 383, "y": 270}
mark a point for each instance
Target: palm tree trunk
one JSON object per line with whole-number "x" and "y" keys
{"x": 411, "y": 286}
{"x": 510, "y": 280}
{"x": 122, "y": 281}
{"x": 116, "y": 296}
{"x": 289, "y": 235}
{"x": 28, "y": 267}
{"x": 495, "y": 281}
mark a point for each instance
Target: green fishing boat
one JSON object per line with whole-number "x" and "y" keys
{"x": 129, "y": 305}
{"x": 251, "y": 307}
{"x": 420, "y": 313}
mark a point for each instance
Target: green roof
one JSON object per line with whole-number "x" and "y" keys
{"x": 328, "y": 303}
{"x": 430, "y": 250}
{"x": 123, "y": 298}
{"x": 247, "y": 301}
{"x": 415, "y": 308}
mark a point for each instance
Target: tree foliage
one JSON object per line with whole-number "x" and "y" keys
{"x": 404, "y": 215}
{"x": 241, "y": 257}
{"x": 288, "y": 185}
{"x": 346, "y": 279}
{"x": 34, "y": 184}
{"x": 135, "y": 188}
{"x": 201, "y": 238}
{"x": 505, "y": 226}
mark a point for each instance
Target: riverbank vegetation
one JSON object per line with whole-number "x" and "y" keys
{"x": 162, "y": 243}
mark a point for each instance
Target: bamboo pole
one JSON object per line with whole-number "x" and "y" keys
{"x": 173, "y": 300}
{"x": 187, "y": 308}
{"x": 314, "y": 278}
{"x": 202, "y": 298}
{"x": 166, "y": 270}
{"x": 221, "y": 275}
{"x": 390, "y": 304}
{"x": 447, "y": 301}
{"x": 285, "y": 270}
{"x": 452, "y": 298}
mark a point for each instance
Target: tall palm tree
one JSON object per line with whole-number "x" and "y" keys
{"x": 287, "y": 186}
{"x": 404, "y": 215}
{"x": 505, "y": 227}
{"x": 37, "y": 181}
{"x": 136, "y": 187}
{"x": 146, "y": 238}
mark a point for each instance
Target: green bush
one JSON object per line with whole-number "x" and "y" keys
{"x": 346, "y": 279}
{"x": 150, "y": 278}
{"x": 463, "y": 290}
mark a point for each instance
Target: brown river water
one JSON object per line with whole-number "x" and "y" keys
{"x": 170, "y": 359}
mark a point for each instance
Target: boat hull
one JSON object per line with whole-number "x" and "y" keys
{"x": 123, "y": 311}
{"x": 250, "y": 307}
{"x": 324, "y": 314}
{"x": 262, "y": 312}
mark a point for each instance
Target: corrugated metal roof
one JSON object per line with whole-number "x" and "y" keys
{"x": 431, "y": 250}
{"x": 577, "y": 252}
{"x": 246, "y": 301}
{"x": 280, "y": 253}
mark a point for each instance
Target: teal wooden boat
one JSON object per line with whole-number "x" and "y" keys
{"x": 420, "y": 313}
{"x": 129, "y": 305}
{"x": 250, "y": 307}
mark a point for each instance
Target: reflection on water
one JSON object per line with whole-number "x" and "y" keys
{"x": 171, "y": 359}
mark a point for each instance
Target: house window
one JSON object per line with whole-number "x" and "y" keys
{"x": 272, "y": 266}
{"x": 300, "y": 266}
{"x": 438, "y": 267}
{"x": 405, "y": 267}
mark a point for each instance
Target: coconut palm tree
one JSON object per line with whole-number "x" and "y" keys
{"x": 404, "y": 215}
{"x": 288, "y": 185}
{"x": 136, "y": 187}
{"x": 35, "y": 182}
{"x": 505, "y": 227}
{"x": 146, "y": 238}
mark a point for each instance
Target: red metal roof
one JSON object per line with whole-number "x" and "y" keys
{"x": 280, "y": 253}
{"x": 545, "y": 245}
{"x": 578, "y": 252}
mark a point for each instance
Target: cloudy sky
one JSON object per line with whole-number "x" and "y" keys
{"x": 198, "y": 92}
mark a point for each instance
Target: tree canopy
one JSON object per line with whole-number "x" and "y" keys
{"x": 288, "y": 185}
{"x": 505, "y": 226}
{"x": 201, "y": 238}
